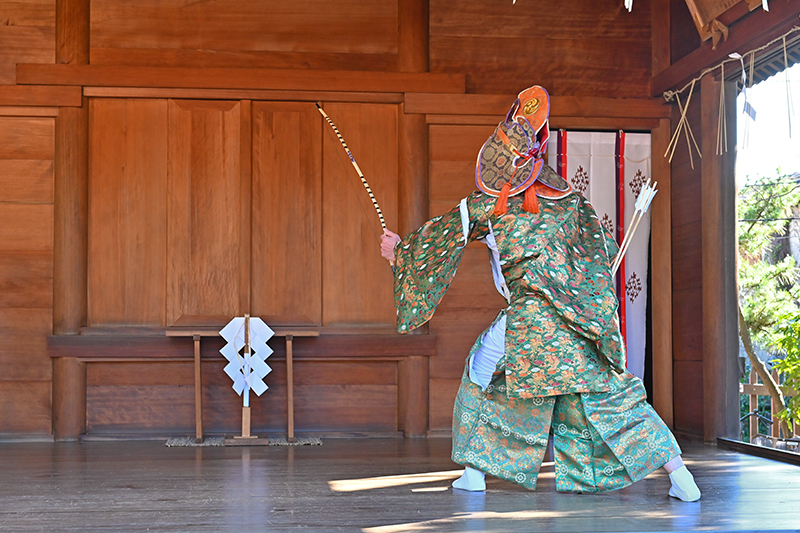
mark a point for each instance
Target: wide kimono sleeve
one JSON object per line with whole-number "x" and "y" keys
{"x": 427, "y": 259}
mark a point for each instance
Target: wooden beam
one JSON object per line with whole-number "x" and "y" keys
{"x": 412, "y": 35}
{"x": 564, "y": 106}
{"x": 755, "y": 30}
{"x": 238, "y": 78}
{"x": 720, "y": 340}
{"x": 661, "y": 272}
{"x": 556, "y": 122}
{"x": 19, "y": 111}
{"x": 40, "y": 95}
{"x": 760, "y": 389}
{"x": 160, "y": 347}
{"x": 243, "y": 94}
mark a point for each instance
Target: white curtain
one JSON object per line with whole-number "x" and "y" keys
{"x": 609, "y": 169}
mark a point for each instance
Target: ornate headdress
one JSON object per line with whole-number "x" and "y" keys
{"x": 511, "y": 160}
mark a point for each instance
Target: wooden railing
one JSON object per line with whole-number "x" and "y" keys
{"x": 754, "y": 388}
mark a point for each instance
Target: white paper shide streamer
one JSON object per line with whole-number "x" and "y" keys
{"x": 246, "y": 351}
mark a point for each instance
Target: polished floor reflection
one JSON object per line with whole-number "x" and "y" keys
{"x": 370, "y": 485}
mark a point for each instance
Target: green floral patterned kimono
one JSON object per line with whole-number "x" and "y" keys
{"x": 563, "y": 371}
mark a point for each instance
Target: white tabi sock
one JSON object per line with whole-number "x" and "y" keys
{"x": 471, "y": 479}
{"x": 683, "y": 485}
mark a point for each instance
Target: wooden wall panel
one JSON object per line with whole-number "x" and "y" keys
{"x": 287, "y": 212}
{"x": 471, "y": 301}
{"x": 570, "y": 48}
{"x": 27, "y": 138}
{"x": 356, "y": 281}
{"x": 206, "y": 196}
{"x": 683, "y": 37}
{"x": 689, "y": 386}
{"x": 25, "y": 408}
{"x": 442, "y": 394}
{"x": 158, "y": 398}
{"x": 27, "y": 35}
{"x": 127, "y": 212}
{"x": 26, "y": 279}
{"x": 26, "y": 227}
{"x": 453, "y": 151}
{"x": 23, "y": 344}
{"x": 26, "y": 180}
{"x": 276, "y": 34}
{"x": 26, "y": 255}
{"x": 687, "y": 273}
{"x": 243, "y": 59}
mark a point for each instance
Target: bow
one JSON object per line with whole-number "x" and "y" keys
{"x": 355, "y": 165}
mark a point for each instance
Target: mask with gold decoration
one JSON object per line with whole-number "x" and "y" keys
{"x": 511, "y": 160}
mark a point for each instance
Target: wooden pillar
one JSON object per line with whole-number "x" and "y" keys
{"x": 289, "y": 390}
{"x": 413, "y": 138}
{"x": 660, "y": 50}
{"x": 720, "y": 324}
{"x": 413, "y": 182}
{"x": 71, "y": 178}
{"x": 70, "y": 233}
{"x": 69, "y": 399}
{"x": 661, "y": 272}
{"x": 70, "y": 220}
{"x": 413, "y": 396}
{"x": 198, "y": 391}
{"x": 412, "y": 56}
{"x": 72, "y": 32}
{"x": 412, "y": 42}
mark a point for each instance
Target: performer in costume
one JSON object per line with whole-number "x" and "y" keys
{"x": 553, "y": 361}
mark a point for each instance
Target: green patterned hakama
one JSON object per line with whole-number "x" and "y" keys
{"x": 563, "y": 369}
{"x": 603, "y": 441}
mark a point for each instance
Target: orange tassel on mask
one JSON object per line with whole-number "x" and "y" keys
{"x": 501, "y": 207}
{"x": 530, "y": 204}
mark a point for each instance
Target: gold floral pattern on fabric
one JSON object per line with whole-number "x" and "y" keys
{"x": 425, "y": 263}
{"x": 544, "y": 356}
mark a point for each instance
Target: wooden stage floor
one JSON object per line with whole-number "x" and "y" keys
{"x": 369, "y": 485}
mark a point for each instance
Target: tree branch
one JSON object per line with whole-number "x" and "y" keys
{"x": 774, "y": 392}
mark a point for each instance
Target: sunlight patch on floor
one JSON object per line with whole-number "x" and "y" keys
{"x": 371, "y": 483}
{"x": 434, "y": 525}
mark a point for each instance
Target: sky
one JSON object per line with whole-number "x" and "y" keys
{"x": 764, "y": 146}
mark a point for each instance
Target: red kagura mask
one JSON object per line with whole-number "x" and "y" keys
{"x": 511, "y": 160}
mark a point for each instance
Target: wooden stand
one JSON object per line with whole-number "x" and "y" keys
{"x": 245, "y": 425}
{"x": 196, "y": 331}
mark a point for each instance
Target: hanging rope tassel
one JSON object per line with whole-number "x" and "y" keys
{"x": 501, "y": 207}
{"x": 530, "y": 204}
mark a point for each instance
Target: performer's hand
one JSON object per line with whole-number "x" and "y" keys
{"x": 388, "y": 241}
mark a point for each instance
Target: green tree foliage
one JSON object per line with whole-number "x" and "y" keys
{"x": 788, "y": 341}
{"x": 769, "y": 292}
{"x": 767, "y": 282}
